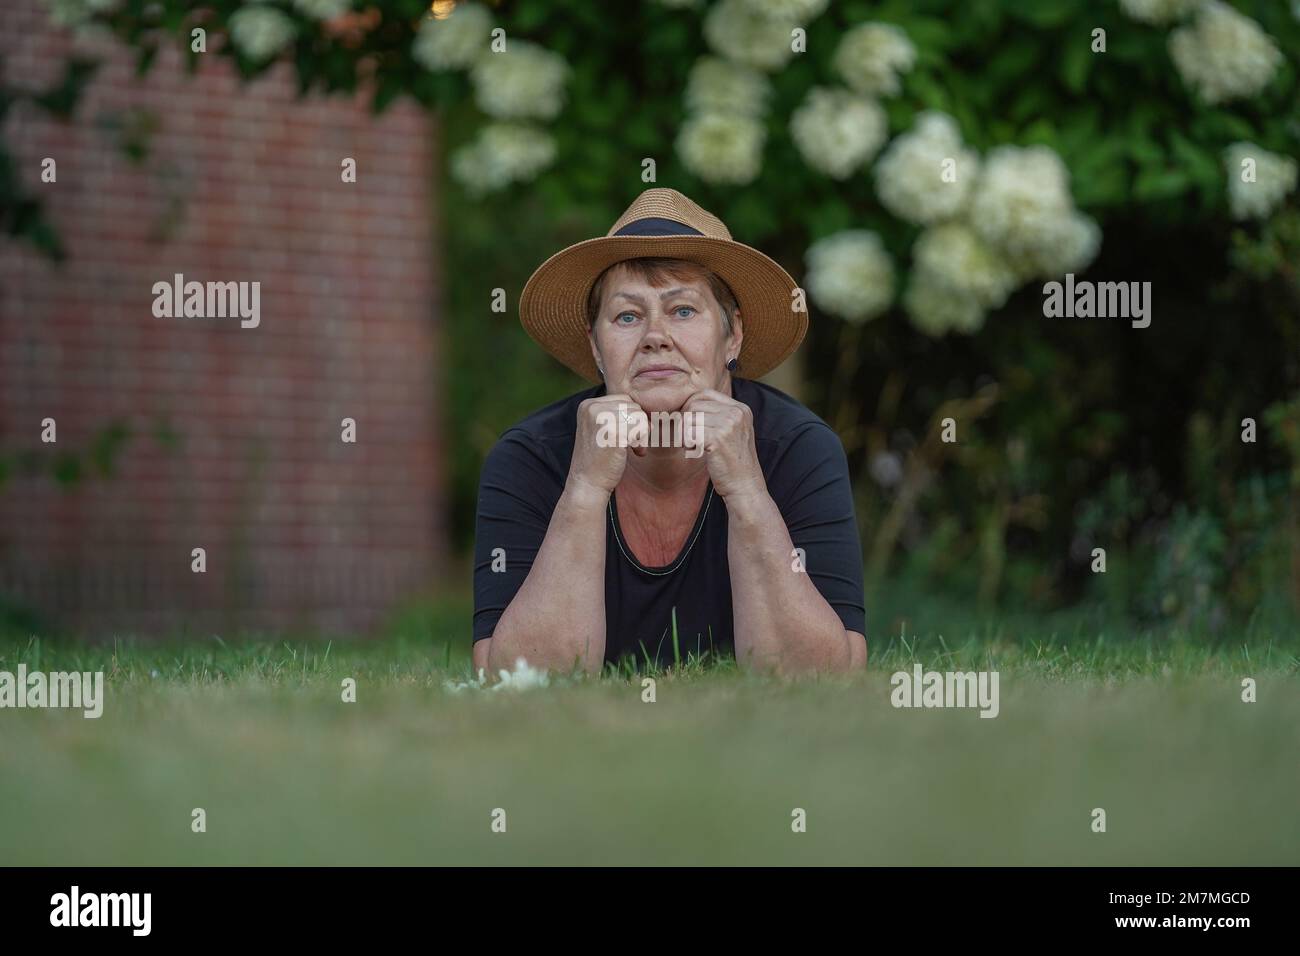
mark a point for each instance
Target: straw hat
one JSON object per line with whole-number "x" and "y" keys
{"x": 663, "y": 222}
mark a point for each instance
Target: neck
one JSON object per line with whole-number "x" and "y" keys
{"x": 665, "y": 470}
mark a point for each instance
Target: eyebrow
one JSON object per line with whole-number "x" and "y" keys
{"x": 662, "y": 295}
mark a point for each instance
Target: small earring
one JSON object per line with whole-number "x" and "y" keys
{"x": 732, "y": 365}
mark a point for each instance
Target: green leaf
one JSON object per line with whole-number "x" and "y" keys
{"x": 926, "y": 33}
{"x": 1156, "y": 184}
{"x": 1200, "y": 164}
{"x": 67, "y": 469}
{"x": 62, "y": 99}
{"x": 1076, "y": 62}
{"x": 1044, "y": 13}
{"x": 145, "y": 58}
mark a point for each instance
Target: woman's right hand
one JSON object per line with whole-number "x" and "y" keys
{"x": 599, "y": 459}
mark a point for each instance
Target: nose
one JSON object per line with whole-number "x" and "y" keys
{"x": 657, "y": 334}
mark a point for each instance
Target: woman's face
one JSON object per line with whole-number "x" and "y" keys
{"x": 661, "y": 343}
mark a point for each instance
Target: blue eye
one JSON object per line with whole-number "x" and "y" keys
{"x": 685, "y": 308}
{"x": 619, "y": 317}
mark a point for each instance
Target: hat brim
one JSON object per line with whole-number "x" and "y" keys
{"x": 553, "y": 306}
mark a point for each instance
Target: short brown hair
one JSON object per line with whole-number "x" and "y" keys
{"x": 657, "y": 271}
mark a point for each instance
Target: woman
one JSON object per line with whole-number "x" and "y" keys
{"x": 589, "y": 549}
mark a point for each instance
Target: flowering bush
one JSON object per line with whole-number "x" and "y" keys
{"x": 921, "y": 167}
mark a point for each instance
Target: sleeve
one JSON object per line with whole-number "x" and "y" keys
{"x": 810, "y": 485}
{"x": 517, "y": 494}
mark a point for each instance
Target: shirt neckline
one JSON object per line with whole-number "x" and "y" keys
{"x": 689, "y": 544}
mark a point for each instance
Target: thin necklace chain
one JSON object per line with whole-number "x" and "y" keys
{"x": 637, "y": 564}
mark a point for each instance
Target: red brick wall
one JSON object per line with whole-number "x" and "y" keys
{"x": 242, "y": 183}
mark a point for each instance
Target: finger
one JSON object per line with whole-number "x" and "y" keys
{"x": 638, "y": 429}
{"x": 709, "y": 394}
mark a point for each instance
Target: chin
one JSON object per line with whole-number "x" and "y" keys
{"x": 661, "y": 398}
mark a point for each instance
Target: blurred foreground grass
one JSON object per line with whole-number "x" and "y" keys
{"x": 1149, "y": 727}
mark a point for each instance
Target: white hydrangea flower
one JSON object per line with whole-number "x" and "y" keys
{"x": 850, "y": 275}
{"x": 503, "y": 153}
{"x": 837, "y": 131}
{"x": 733, "y": 30}
{"x": 718, "y": 86}
{"x": 1275, "y": 177}
{"x": 954, "y": 256}
{"x": 796, "y": 11}
{"x": 455, "y": 42}
{"x": 910, "y": 180}
{"x": 260, "y": 32}
{"x": 936, "y": 309}
{"x": 872, "y": 56}
{"x": 1077, "y": 242}
{"x": 1022, "y": 205}
{"x": 524, "y": 82}
{"x": 1224, "y": 55}
{"x": 722, "y": 148}
{"x": 1157, "y": 12}
{"x": 322, "y": 9}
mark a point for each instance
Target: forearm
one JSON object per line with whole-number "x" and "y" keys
{"x": 557, "y": 618}
{"x": 782, "y": 622}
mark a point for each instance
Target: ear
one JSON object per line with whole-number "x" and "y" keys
{"x": 737, "y": 335}
{"x": 595, "y": 349}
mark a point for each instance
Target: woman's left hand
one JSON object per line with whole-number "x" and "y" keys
{"x": 724, "y": 428}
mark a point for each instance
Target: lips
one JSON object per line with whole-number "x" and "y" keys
{"x": 659, "y": 371}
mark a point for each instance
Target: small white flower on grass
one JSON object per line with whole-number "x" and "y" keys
{"x": 722, "y": 148}
{"x": 871, "y": 57}
{"x": 718, "y": 86}
{"x": 503, "y": 153}
{"x": 735, "y": 31}
{"x": 455, "y": 42}
{"x": 524, "y": 82}
{"x": 837, "y": 131}
{"x": 850, "y": 275}
{"x": 1157, "y": 11}
{"x": 1224, "y": 55}
{"x": 523, "y": 677}
{"x": 474, "y": 683}
{"x": 260, "y": 32}
{"x": 1274, "y": 177}
{"x": 914, "y": 179}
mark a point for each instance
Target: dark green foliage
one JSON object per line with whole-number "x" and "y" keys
{"x": 1098, "y": 434}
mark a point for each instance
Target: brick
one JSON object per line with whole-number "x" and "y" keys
{"x": 300, "y": 527}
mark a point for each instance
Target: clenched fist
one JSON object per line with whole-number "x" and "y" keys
{"x": 724, "y": 428}
{"x": 597, "y": 461}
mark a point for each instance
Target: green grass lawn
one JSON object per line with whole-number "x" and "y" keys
{"x": 1150, "y": 727}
